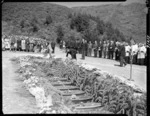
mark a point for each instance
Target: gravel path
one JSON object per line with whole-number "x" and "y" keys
{"x": 138, "y": 72}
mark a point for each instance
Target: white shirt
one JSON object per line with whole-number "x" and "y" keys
{"x": 141, "y": 52}
{"x": 127, "y": 50}
{"x": 134, "y": 49}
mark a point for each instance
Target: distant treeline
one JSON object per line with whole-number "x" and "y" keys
{"x": 54, "y": 22}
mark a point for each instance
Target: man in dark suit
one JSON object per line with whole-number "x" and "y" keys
{"x": 86, "y": 48}
{"x": 111, "y": 50}
{"x": 122, "y": 55}
{"x": 53, "y": 46}
{"x": 27, "y": 44}
{"x": 95, "y": 46}
{"x": 18, "y": 44}
{"x": 73, "y": 49}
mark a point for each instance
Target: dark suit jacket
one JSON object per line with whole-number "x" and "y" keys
{"x": 53, "y": 44}
{"x": 122, "y": 51}
{"x": 111, "y": 47}
{"x": 83, "y": 46}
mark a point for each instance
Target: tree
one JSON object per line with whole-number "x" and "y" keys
{"x": 91, "y": 35}
{"x": 34, "y": 24}
{"x": 22, "y": 23}
{"x": 70, "y": 15}
{"x": 48, "y": 20}
{"x": 6, "y": 28}
{"x": 79, "y": 22}
{"x": 72, "y": 35}
{"x": 100, "y": 27}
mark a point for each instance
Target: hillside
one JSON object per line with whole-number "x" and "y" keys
{"x": 35, "y": 18}
{"x": 129, "y": 19}
{"x": 45, "y": 19}
{"x": 14, "y": 10}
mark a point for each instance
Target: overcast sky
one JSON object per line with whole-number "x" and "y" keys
{"x": 74, "y": 4}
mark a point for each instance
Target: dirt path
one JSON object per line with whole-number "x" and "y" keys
{"x": 16, "y": 99}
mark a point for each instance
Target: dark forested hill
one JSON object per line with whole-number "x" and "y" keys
{"x": 35, "y": 18}
{"x": 15, "y": 11}
{"x": 129, "y": 19}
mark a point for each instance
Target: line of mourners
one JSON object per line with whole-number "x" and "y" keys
{"x": 115, "y": 50}
{"x": 27, "y": 44}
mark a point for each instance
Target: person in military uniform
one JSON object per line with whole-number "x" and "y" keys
{"x": 122, "y": 55}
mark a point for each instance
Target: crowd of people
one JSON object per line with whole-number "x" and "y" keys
{"x": 27, "y": 44}
{"x": 119, "y": 51}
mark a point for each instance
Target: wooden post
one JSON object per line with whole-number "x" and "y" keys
{"x": 131, "y": 58}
